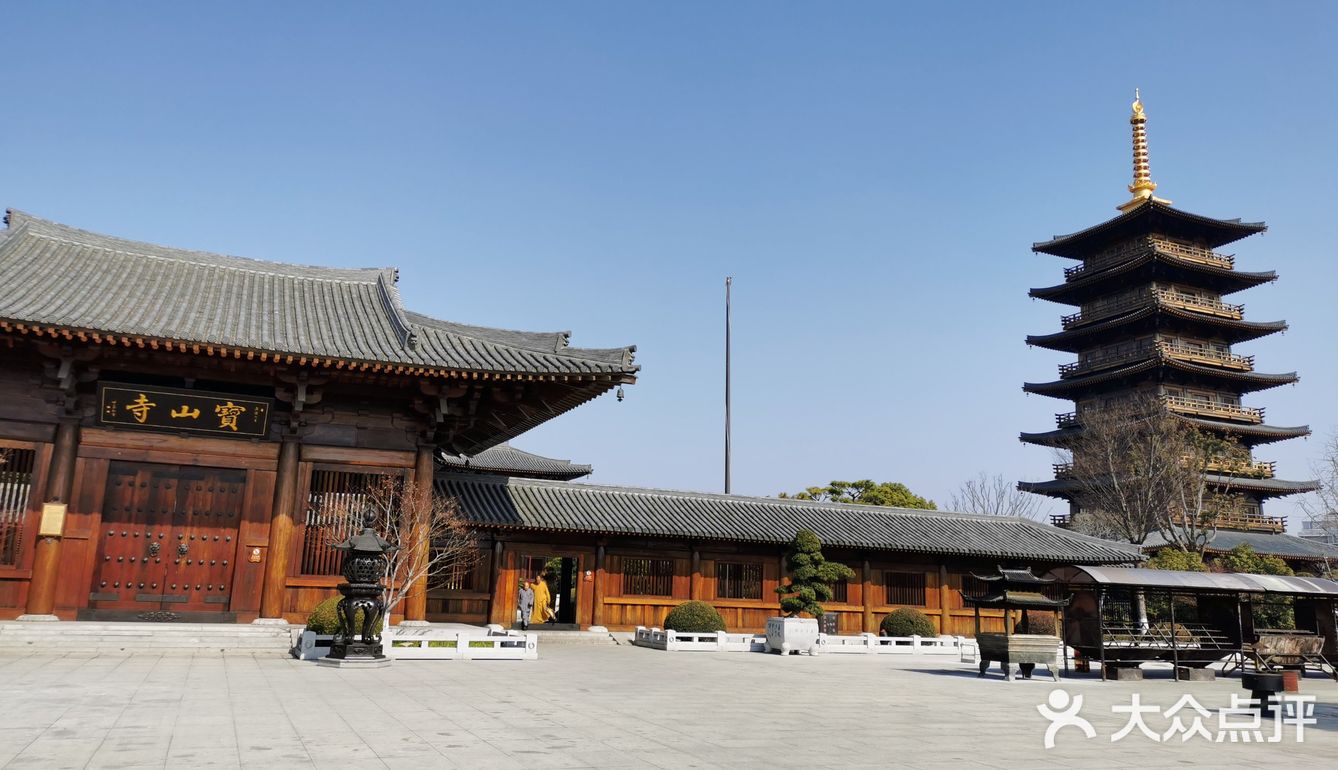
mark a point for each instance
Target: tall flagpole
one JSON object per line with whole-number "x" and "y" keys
{"x": 729, "y": 280}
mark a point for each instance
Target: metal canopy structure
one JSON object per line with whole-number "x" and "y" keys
{"x": 1109, "y": 618}
{"x": 1203, "y": 582}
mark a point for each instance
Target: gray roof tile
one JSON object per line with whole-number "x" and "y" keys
{"x": 506, "y": 460}
{"x": 499, "y": 502}
{"x": 56, "y": 275}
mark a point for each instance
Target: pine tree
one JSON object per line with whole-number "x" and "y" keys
{"x": 811, "y": 576}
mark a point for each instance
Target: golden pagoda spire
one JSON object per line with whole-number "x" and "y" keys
{"x": 1143, "y": 185}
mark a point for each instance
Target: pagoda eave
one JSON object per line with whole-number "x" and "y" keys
{"x": 1262, "y": 488}
{"x": 1067, "y": 489}
{"x": 1151, "y": 216}
{"x": 1153, "y": 266}
{"x": 1170, "y": 370}
{"x": 1247, "y": 435}
{"x": 1155, "y": 316}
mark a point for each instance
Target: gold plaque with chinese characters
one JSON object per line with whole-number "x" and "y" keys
{"x": 178, "y": 409}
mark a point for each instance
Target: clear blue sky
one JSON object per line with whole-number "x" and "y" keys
{"x": 872, "y": 175}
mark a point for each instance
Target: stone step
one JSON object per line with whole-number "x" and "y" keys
{"x": 566, "y": 638}
{"x": 78, "y": 636}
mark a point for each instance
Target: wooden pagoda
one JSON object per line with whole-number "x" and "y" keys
{"x": 1150, "y": 293}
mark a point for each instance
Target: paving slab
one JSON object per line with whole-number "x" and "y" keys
{"x": 597, "y": 707}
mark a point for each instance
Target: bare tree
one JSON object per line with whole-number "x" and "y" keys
{"x": 1139, "y": 469}
{"x": 995, "y": 496}
{"x": 404, "y": 514}
{"x": 1321, "y": 506}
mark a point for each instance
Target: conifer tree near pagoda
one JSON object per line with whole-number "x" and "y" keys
{"x": 811, "y": 576}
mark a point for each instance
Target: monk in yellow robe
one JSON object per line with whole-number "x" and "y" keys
{"x": 542, "y": 597}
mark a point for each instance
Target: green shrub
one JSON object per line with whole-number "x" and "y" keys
{"x": 907, "y": 622}
{"x": 694, "y": 617}
{"x": 1175, "y": 559}
{"x": 324, "y": 619}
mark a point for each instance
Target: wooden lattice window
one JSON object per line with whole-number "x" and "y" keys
{"x": 16, "y": 480}
{"x": 457, "y": 577}
{"x": 906, "y": 588}
{"x": 967, "y": 584}
{"x": 648, "y": 577}
{"x": 336, "y": 505}
{"x": 841, "y": 592}
{"x": 734, "y": 580}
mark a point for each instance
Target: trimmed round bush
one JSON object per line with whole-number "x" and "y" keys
{"x": 694, "y": 617}
{"x": 324, "y": 619}
{"x": 907, "y": 622}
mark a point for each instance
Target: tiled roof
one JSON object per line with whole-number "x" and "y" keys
{"x": 1067, "y": 487}
{"x": 1228, "y": 330}
{"x": 1243, "y": 382}
{"x": 62, "y": 277}
{"x": 1224, "y": 280}
{"x": 1286, "y": 546}
{"x": 1150, "y": 217}
{"x": 506, "y": 460}
{"x": 511, "y": 503}
{"x": 1249, "y": 435}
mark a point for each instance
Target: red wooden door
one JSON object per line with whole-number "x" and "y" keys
{"x": 203, "y": 541}
{"x": 136, "y": 522}
{"x": 168, "y": 538}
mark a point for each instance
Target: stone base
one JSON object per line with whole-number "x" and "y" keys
{"x": 1124, "y": 673}
{"x": 355, "y": 662}
{"x": 37, "y": 618}
{"x": 269, "y": 622}
{"x": 1188, "y": 674}
{"x": 413, "y": 623}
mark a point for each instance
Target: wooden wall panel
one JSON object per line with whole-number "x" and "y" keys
{"x": 82, "y": 527}
{"x": 248, "y": 577}
{"x": 177, "y": 450}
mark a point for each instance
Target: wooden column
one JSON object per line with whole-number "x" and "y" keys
{"x": 866, "y": 594}
{"x": 944, "y": 591}
{"x": 46, "y": 557}
{"x": 415, "y": 603}
{"x": 597, "y": 611}
{"x": 695, "y": 584}
{"x": 280, "y": 532}
{"x": 494, "y": 578}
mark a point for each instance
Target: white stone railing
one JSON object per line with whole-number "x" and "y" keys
{"x": 865, "y": 644}
{"x": 707, "y": 641}
{"x": 429, "y": 643}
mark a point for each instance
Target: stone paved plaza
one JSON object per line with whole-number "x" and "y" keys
{"x": 606, "y": 707}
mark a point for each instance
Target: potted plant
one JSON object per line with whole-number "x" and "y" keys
{"x": 811, "y": 578}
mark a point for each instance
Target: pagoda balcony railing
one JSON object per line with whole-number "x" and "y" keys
{"x": 1263, "y": 469}
{"x": 1254, "y": 470}
{"x": 1249, "y": 522}
{"x": 1066, "y": 420}
{"x": 1061, "y": 520}
{"x": 1091, "y": 363}
{"x": 1206, "y": 355}
{"x": 1106, "y": 258}
{"x": 1184, "y": 405}
{"x": 1201, "y": 304}
{"x": 1193, "y": 253}
{"x": 1177, "y": 350}
{"x": 1142, "y": 245}
{"x": 1098, "y": 311}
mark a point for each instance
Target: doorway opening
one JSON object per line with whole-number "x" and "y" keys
{"x": 559, "y": 574}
